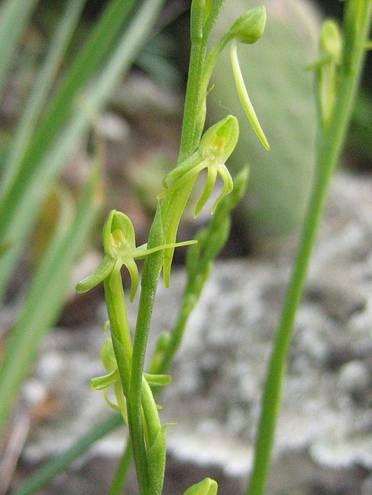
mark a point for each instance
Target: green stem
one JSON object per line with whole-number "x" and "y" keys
{"x": 192, "y": 127}
{"x": 150, "y": 276}
{"x": 194, "y": 115}
{"x": 119, "y": 326}
{"x": 58, "y": 465}
{"x": 177, "y": 334}
{"x": 331, "y": 143}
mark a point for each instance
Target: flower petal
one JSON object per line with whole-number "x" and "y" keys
{"x": 99, "y": 275}
{"x": 228, "y": 185}
{"x": 244, "y": 98}
{"x": 104, "y": 381}
{"x": 134, "y": 277}
{"x": 208, "y": 190}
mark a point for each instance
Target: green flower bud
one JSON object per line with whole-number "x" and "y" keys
{"x": 205, "y": 487}
{"x": 219, "y": 141}
{"x": 249, "y": 27}
{"x": 331, "y": 41}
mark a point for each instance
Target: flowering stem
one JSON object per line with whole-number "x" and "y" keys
{"x": 149, "y": 281}
{"x": 194, "y": 107}
{"x": 193, "y": 123}
{"x": 330, "y": 146}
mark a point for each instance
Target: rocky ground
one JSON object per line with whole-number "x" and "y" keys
{"x": 324, "y": 442}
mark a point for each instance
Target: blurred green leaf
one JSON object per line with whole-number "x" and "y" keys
{"x": 45, "y": 296}
{"x": 14, "y": 15}
{"x": 62, "y": 127}
{"x": 41, "y": 88}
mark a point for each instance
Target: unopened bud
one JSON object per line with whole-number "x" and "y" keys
{"x": 249, "y": 27}
{"x": 205, "y": 487}
{"x": 331, "y": 41}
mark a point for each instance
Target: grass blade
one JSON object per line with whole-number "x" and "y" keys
{"x": 45, "y": 298}
{"x": 56, "y": 466}
{"x": 41, "y": 88}
{"x": 22, "y": 197}
{"x": 14, "y": 15}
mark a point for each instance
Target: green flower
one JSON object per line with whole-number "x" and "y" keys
{"x": 327, "y": 68}
{"x": 119, "y": 242}
{"x": 216, "y": 146}
{"x": 111, "y": 380}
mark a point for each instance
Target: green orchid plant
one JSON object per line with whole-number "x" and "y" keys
{"x": 127, "y": 388}
{"x": 219, "y": 141}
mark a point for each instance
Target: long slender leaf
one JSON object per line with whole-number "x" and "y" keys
{"x": 20, "y": 201}
{"x": 45, "y": 298}
{"x": 41, "y": 88}
{"x": 14, "y": 15}
{"x": 83, "y": 67}
{"x": 47, "y": 472}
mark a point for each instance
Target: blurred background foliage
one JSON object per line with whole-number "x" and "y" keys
{"x": 141, "y": 123}
{"x": 139, "y": 128}
{"x": 152, "y": 97}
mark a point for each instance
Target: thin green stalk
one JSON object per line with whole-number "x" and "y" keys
{"x": 51, "y": 469}
{"x": 119, "y": 326}
{"x": 152, "y": 266}
{"x": 191, "y": 125}
{"x": 194, "y": 107}
{"x": 150, "y": 276}
{"x": 330, "y": 147}
{"x": 191, "y": 132}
